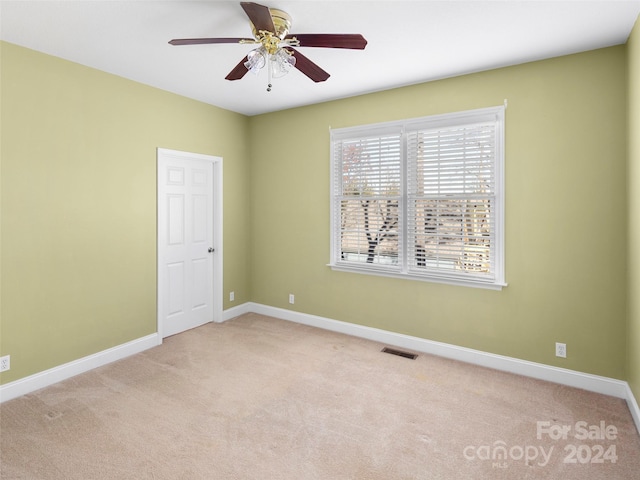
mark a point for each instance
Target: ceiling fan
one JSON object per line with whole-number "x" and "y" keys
{"x": 270, "y": 29}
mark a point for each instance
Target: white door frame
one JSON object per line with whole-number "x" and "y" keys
{"x": 217, "y": 232}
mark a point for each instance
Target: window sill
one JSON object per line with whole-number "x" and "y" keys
{"x": 383, "y": 272}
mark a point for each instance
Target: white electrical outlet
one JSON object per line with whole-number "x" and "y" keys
{"x": 232, "y": 296}
{"x": 5, "y": 363}
{"x": 292, "y": 298}
{"x": 561, "y": 350}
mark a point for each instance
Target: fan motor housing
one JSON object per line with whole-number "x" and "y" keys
{"x": 281, "y": 22}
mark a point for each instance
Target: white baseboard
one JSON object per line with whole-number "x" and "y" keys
{"x": 236, "y": 311}
{"x": 53, "y": 375}
{"x": 62, "y": 372}
{"x": 633, "y": 407}
{"x": 572, "y": 378}
{"x": 593, "y": 383}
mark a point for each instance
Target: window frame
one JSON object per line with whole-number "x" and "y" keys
{"x": 494, "y": 115}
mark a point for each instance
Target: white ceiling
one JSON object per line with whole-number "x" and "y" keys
{"x": 409, "y": 41}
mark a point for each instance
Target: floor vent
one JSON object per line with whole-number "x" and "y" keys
{"x": 400, "y": 353}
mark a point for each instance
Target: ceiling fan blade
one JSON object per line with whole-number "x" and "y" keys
{"x": 330, "y": 40}
{"x": 306, "y": 66}
{"x": 200, "y": 41}
{"x": 238, "y": 71}
{"x": 259, "y": 15}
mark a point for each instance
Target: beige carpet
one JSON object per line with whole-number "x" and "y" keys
{"x": 260, "y": 398}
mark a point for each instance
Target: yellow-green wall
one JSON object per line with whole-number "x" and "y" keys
{"x": 566, "y": 215}
{"x": 633, "y": 346}
{"x": 78, "y": 211}
{"x": 79, "y": 205}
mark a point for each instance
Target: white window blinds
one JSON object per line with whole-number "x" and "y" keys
{"x": 421, "y": 198}
{"x": 368, "y": 178}
{"x": 451, "y": 198}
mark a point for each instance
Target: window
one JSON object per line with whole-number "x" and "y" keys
{"x": 421, "y": 198}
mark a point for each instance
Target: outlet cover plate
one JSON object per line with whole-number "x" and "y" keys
{"x": 5, "y": 363}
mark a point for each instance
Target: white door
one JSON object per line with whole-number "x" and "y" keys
{"x": 186, "y": 246}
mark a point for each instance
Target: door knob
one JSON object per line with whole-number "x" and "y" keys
{"x": 211, "y": 249}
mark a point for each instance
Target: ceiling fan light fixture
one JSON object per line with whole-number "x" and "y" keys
{"x": 256, "y": 60}
{"x": 282, "y": 62}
